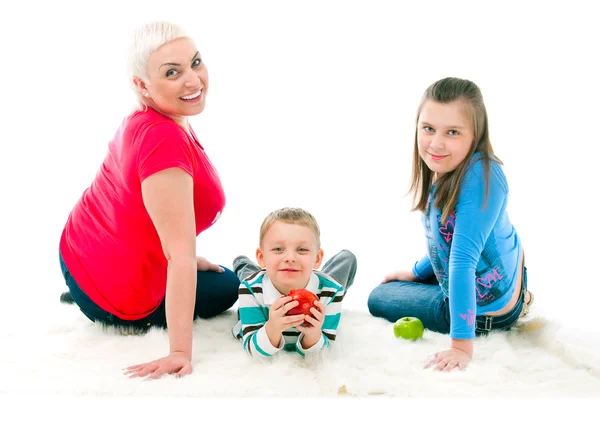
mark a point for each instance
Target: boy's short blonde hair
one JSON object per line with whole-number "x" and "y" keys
{"x": 291, "y": 215}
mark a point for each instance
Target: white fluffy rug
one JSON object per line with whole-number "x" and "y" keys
{"x": 74, "y": 357}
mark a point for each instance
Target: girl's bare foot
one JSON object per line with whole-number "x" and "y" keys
{"x": 527, "y": 303}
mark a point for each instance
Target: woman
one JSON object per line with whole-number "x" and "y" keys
{"x": 128, "y": 250}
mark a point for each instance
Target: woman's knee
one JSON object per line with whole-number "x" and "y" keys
{"x": 215, "y": 292}
{"x": 230, "y": 282}
{"x": 217, "y": 285}
{"x": 230, "y": 288}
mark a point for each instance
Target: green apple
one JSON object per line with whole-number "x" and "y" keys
{"x": 409, "y": 328}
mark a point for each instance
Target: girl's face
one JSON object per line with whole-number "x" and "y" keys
{"x": 445, "y": 135}
{"x": 177, "y": 80}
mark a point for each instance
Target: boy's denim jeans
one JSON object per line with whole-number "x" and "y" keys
{"x": 215, "y": 293}
{"x": 396, "y": 299}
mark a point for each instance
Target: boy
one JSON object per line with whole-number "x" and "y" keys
{"x": 288, "y": 256}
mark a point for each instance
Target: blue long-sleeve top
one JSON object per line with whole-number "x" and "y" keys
{"x": 475, "y": 255}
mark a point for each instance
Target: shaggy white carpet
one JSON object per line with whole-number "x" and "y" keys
{"x": 74, "y": 357}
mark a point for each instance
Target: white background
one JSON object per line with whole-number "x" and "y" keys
{"x": 312, "y": 104}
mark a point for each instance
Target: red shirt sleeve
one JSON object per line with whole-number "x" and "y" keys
{"x": 161, "y": 146}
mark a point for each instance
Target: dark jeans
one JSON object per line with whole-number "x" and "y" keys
{"x": 215, "y": 293}
{"x": 396, "y": 299}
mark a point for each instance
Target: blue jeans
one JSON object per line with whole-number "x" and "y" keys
{"x": 426, "y": 301}
{"x": 215, "y": 293}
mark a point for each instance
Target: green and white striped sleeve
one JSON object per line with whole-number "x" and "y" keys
{"x": 253, "y": 315}
{"x": 331, "y": 295}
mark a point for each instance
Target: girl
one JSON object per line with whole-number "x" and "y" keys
{"x": 472, "y": 279}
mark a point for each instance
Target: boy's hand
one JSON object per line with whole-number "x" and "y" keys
{"x": 278, "y": 321}
{"x": 312, "y": 331}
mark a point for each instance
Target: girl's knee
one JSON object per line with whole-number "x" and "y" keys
{"x": 376, "y": 301}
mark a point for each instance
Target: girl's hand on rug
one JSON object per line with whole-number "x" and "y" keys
{"x": 312, "y": 331}
{"x": 177, "y": 363}
{"x": 205, "y": 265}
{"x": 449, "y": 359}
{"x": 406, "y": 275}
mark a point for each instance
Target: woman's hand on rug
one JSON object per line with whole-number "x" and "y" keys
{"x": 449, "y": 359}
{"x": 205, "y": 265}
{"x": 312, "y": 331}
{"x": 405, "y": 275}
{"x": 177, "y": 363}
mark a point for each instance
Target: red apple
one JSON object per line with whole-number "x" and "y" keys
{"x": 306, "y": 300}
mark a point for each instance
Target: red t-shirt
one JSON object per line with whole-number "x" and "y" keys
{"x": 109, "y": 243}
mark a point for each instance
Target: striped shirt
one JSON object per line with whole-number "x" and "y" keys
{"x": 257, "y": 294}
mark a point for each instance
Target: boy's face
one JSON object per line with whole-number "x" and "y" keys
{"x": 289, "y": 253}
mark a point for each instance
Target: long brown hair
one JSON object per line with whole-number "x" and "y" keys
{"x": 444, "y": 91}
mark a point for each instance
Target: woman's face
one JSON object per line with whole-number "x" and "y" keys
{"x": 177, "y": 80}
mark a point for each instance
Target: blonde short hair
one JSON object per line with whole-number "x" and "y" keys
{"x": 146, "y": 40}
{"x": 291, "y": 215}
